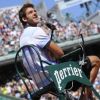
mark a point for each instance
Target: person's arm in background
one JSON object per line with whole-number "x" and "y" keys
{"x": 55, "y": 50}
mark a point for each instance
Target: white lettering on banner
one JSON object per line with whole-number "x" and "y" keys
{"x": 65, "y": 72}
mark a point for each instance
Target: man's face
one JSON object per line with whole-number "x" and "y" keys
{"x": 31, "y": 16}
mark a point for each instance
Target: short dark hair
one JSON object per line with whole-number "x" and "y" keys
{"x": 22, "y": 12}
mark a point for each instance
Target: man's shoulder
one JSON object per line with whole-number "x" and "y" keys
{"x": 32, "y": 28}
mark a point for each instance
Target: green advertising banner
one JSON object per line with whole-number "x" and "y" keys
{"x": 65, "y": 72}
{"x": 6, "y": 97}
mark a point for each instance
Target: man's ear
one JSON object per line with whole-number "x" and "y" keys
{"x": 24, "y": 19}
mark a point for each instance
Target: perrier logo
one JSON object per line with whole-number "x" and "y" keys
{"x": 68, "y": 71}
{"x": 63, "y": 73}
